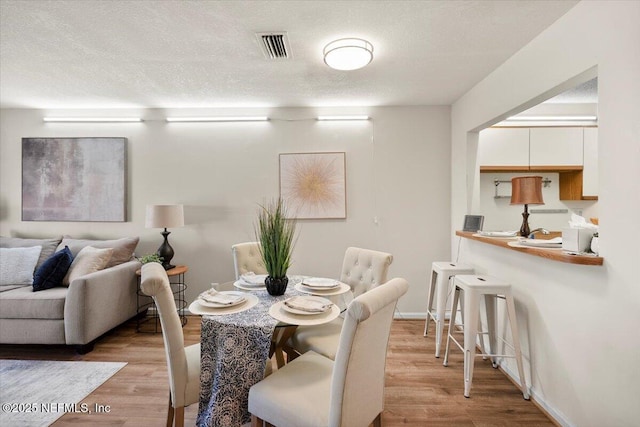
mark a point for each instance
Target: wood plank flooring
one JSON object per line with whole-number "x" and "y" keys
{"x": 419, "y": 390}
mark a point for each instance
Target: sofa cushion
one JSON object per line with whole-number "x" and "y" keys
{"x": 48, "y": 245}
{"x": 18, "y": 264}
{"x": 122, "y": 248}
{"x": 89, "y": 260}
{"x": 53, "y": 270}
{"x": 23, "y": 303}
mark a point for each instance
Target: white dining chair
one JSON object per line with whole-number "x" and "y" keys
{"x": 247, "y": 258}
{"x": 183, "y": 362}
{"x": 314, "y": 390}
{"x": 362, "y": 270}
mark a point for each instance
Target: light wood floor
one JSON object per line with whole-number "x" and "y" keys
{"x": 419, "y": 390}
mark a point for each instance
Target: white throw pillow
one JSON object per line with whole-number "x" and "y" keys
{"x": 88, "y": 260}
{"x": 18, "y": 264}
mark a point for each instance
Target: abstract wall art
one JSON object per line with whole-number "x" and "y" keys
{"x": 74, "y": 179}
{"x": 313, "y": 184}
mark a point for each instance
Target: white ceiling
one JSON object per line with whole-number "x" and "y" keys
{"x": 163, "y": 54}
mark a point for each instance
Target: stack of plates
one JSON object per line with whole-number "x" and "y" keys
{"x": 320, "y": 283}
{"x": 502, "y": 234}
{"x": 322, "y": 286}
{"x": 215, "y": 299}
{"x": 307, "y": 305}
{"x": 251, "y": 281}
{"x": 542, "y": 243}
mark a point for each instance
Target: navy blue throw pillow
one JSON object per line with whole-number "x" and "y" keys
{"x": 53, "y": 270}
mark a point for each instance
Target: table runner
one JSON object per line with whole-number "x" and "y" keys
{"x": 234, "y": 349}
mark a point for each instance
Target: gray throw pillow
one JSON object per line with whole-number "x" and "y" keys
{"x": 48, "y": 246}
{"x": 123, "y": 249}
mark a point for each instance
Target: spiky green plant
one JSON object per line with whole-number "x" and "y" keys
{"x": 276, "y": 235}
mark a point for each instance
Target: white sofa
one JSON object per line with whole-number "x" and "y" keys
{"x": 75, "y": 315}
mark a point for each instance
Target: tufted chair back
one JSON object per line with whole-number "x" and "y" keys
{"x": 364, "y": 269}
{"x": 246, "y": 258}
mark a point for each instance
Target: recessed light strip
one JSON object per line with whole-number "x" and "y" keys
{"x": 92, "y": 119}
{"x": 219, "y": 119}
{"x": 551, "y": 118}
{"x": 352, "y": 117}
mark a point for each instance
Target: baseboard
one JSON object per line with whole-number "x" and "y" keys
{"x": 399, "y": 315}
{"x": 556, "y": 417}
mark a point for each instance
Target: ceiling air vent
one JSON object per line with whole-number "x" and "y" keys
{"x": 274, "y": 45}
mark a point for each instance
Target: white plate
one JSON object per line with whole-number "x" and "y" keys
{"x": 343, "y": 288}
{"x": 556, "y": 242}
{"x": 498, "y": 234}
{"x": 308, "y": 313}
{"x": 320, "y": 283}
{"x": 283, "y": 316}
{"x": 196, "y": 308}
{"x": 240, "y": 284}
{"x": 220, "y": 305}
{"x": 548, "y": 246}
{"x": 256, "y": 279}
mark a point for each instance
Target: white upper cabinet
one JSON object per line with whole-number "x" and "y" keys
{"x": 590, "y": 168}
{"x": 556, "y": 146}
{"x": 504, "y": 147}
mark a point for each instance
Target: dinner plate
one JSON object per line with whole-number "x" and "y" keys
{"x": 196, "y": 308}
{"x": 220, "y": 305}
{"x": 308, "y": 313}
{"x": 283, "y": 316}
{"x": 341, "y": 289}
{"x": 253, "y": 279}
{"x": 241, "y": 284}
{"x": 320, "y": 283}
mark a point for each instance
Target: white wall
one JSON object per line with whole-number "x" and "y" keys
{"x": 398, "y": 169}
{"x": 580, "y": 323}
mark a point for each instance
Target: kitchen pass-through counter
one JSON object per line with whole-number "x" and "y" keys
{"x": 553, "y": 254}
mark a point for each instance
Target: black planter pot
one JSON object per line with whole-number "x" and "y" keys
{"x": 276, "y": 285}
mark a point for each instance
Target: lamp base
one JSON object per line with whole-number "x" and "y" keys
{"x": 524, "y": 228}
{"x": 165, "y": 251}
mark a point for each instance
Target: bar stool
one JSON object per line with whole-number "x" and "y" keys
{"x": 441, "y": 274}
{"x": 491, "y": 289}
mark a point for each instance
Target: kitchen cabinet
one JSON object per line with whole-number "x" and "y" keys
{"x": 590, "y": 164}
{"x": 572, "y": 152}
{"x": 555, "y": 146}
{"x": 500, "y": 147}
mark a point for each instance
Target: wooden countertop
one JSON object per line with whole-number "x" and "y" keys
{"x": 552, "y": 254}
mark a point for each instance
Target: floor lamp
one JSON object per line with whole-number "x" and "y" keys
{"x": 165, "y": 216}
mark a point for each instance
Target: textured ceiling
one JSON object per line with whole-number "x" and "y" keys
{"x": 101, "y": 54}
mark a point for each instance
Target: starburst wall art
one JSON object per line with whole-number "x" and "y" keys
{"x": 313, "y": 185}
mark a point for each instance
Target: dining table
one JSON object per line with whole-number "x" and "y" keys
{"x": 237, "y": 342}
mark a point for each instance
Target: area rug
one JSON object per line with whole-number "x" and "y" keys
{"x": 35, "y": 393}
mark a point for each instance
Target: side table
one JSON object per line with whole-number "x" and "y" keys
{"x": 144, "y": 302}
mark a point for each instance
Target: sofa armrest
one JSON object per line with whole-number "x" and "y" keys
{"x": 100, "y": 301}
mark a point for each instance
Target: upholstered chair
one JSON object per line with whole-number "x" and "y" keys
{"x": 362, "y": 270}
{"x": 183, "y": 362}
{"x": 246, "y": 258}
{"x": 314, "y": 390}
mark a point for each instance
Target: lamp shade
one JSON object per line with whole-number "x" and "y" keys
{"x": 526, "y": 190}
{"x": 348, "y": 54}
{"x": 164, "y": 216}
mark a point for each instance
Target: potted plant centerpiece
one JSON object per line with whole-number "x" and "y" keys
{"x": 276, "y": 236}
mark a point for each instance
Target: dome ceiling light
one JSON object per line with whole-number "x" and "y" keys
{"x": 348, "y": 54}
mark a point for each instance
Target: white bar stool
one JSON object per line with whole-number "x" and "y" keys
{"x": 491, "y": 289}
{"x": 441, "y": 274}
